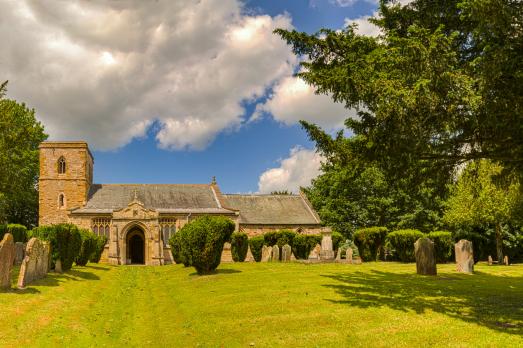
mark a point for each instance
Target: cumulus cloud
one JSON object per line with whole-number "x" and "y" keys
{"x": 105, "y": 71}
{"x": 294, "y": 172}
{"x": 293, "y": 100}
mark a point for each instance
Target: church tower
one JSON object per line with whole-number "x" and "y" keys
{"x": 66, "y": 174}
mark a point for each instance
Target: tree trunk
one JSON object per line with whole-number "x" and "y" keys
{"x": 499, "y": 243}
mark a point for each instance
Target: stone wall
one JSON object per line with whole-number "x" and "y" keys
{"x": 36, "y": 262}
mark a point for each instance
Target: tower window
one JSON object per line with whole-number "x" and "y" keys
{"x": 61, "y": 200}
{"x": 61, "y": 165}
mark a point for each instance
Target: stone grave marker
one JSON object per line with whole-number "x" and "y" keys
{"x": 266, "y": 253}
{"x": 490, "y": 260}
{"x": 286, "y": 253}
{"x": 348, "y": 255}
{"x": 464, "y": 256}
{"x": 425, "y": 257}
{"x": 7, "y": 258}
{"x": 276, "y": 253}
{"x": 36, "y": 262}
{"x": 505, "y": 260}
{"x": 315, "y": 253}
{"x": 327, "y": 253}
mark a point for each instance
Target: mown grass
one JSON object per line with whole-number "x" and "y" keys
{"x": 267, "y": 305}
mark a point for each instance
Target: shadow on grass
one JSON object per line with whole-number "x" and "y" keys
{"x": 218, "y": 271}
{"x": 484, "y": 299}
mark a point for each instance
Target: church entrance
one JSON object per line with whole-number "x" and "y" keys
{"x": 136, "y": 247}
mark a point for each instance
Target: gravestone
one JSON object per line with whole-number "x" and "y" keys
{"x": 266, "y": 253}
{"x": 249, "y": 257}
{"x": 36, "y": 262}
{"x": 425, "y": 257}
{"x": 490, "y": 260}
{"x": 348, "y": 255}
{"x": 19, "y": 253}
{"x": 7, "y": 258}
{"x": 286, "y": 253}
{"x": 293, "y": 258}
{"x": 327, "y": 253}
{"x": 338, "y": 255}
{"x": 505, "y": 260}
{"x": 464, "y": 256}
{"x": 275, "y": 253}
{"x": 58, "y": 266}
{"x": 315, "y": 253}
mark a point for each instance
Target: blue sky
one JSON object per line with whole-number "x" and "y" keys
{"x": 176, "y": 92}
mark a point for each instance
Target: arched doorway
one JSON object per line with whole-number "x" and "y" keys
{"x": 136, "y": 246}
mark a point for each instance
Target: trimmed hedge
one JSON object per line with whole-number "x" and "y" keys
{"x": 87, "y": 248}
{"x": 65, "y": 242}
{"x": 202, "y": 242}
{"x": 304, "y": 243}
{"x": 99, "y": 249}
{"x": 443, "y": 245}
{"x": 19, "y": 232}
{"x": 402, "y": 242}
{"x": 256, "y": 244}
{"x": 239, "y": 246}
{"x": 370, "y": 241}
{"x": 281, "y": 238}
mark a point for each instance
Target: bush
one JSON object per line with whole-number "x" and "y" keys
{"x": 239, "y": 246}
{"x": 301, "y": 247}
{"x": 101, "y": 241}
{"x": 402, "y": 243}
{"x": 280, "y": 238}
{"x": 256, "y": 244}
{"x": 65, "y": 242}
{"x": 176, "y": 248}
{"x": 370, "y": 242}
{"x": 443, "y": 245}
{"x": 337, "y": 240}
{"x": 202, "y": 242}
{"x": 19, "y": 232}
{"x": 3, "y": 231}
{"x": 87, "y": 248}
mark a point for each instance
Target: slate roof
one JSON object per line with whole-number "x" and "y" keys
{"x": 105, "y": 198}
{"x": 272, "y": 209}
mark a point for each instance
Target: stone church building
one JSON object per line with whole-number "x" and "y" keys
{"x": 138, "y": 219}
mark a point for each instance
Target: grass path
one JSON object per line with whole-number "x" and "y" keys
{"x": 268, "y": 305}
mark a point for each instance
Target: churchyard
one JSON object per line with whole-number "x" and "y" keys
{"x": 380, "y": 304}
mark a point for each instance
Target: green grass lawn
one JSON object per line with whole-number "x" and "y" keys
{"x": 267, "y": 305}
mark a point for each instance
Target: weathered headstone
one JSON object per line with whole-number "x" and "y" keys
{"x": 266, "y": 253}
{"x": 7, "y": 257}
{"x": 348, "y": 255}
{"x": 425, "y": 257}
{"x": 276, "y": 253}
{"x": 315, "y": 253}
{"x": 286, "y": 253}
{"x": 505, "y": 260}
{"x": 249, "y": 257}
{"x": 464, "y": 256}
{"x": 36, "y": 262}
{"x": 327, "y": 253}
{"x": 338, "y": 255}
{"x": 490, "y": 260}
{"x": 293, "y": 258}
{"x": 19, "y": 253}
{"x": 58, "y": 266}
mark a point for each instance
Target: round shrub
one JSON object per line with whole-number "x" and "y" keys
{"x": 256, "y": 244}
{"x": 370, "y": 241}
{"x": 101, "y": 241}
{"x": 443, "y": 245}
{"x": 202, "y": 242}
{"x": 65, "y": 242}
{"x": 239, "y": 246}
{"x": 19, "y": 232}
{"x": 176, "y": 248}
{"x": 402, "y": 243}
{"x": 87, "y": 248}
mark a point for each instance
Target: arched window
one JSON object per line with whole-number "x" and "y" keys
{"x": 61, "y": 165}
{"x": 61, "y": 200}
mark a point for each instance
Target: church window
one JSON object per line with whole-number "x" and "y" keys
{"x": 61, "y": 165}
{"x": 61, "y": 200}
{"x": 168, "y": 229}
{"x": 101, "y": 226}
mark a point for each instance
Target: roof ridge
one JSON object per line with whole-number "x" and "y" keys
{"x": 129, "y": 184}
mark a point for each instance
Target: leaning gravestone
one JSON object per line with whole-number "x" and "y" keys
{"x": 286, "y": 253}
{"x": 36, "y": 262}
{"x": 348, "y": 255}
{"x": 338, "y": 255}
{"x": 19, "y": 253}
{"x": 464, "y": 256}
{"x": 266, "y": 253}
{"x": 425, "y": 257}
{"x": 7, "y": 257}
{"x": 276, "y": 253}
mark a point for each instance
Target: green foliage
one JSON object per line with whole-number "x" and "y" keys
{"x": 20, "y": 136}
{"x": 3, "y": 230}
{"x": 19, "y": 232}
{"x": 280, "y": 237}
{"x": 301, "y": 247}
{"x": 239, "y": 246}
{"x": 370, "y": 241}
{"x": 256, "y": 245}
{"x": 202, "y": 242}
{"x": 101, "y": 241}
{"x": 176, "y": 248}
{"x": 65, "y": 242}
{"x": 443, "y": 245}
{"x": 337, "y": 239}
{"x": 87, "y": 248}
{"x": 402, "y": 243}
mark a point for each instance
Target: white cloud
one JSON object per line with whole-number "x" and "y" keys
{"x": 293, "y": 100}
{"x": 105, "y": 71}
{"x": 297, "y": 170}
